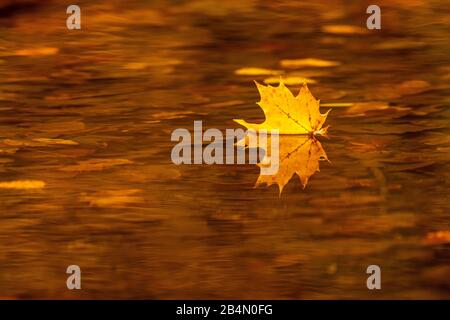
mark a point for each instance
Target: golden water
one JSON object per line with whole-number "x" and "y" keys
{"x": 141, "y": 227}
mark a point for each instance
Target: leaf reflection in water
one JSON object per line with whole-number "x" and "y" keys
{"x": 298, "y": 154}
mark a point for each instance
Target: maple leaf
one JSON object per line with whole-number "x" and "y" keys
{"x": 288, "y": 113}
{"x": 298, "y": 154}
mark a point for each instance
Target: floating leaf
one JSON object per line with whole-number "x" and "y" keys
{"x": 438, "y": 237}
{"x": 19, "y": 143}
{"x": 338, "y": 104}
{"x": 38, "y": 142}
{"x": 310, "y": 62}
{"x": 44, "y": 51}
{"x": 289, "y": 80}
{"x": 22, "y": 184}
{"x": 224, "y": 104}
{"x": 256, "y": 72}
{"x": 288, "y": 114}
{"x": 343, "y": 29}
{"x": 55, "y": 141}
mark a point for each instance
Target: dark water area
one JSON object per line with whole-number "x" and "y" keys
{"x": 86, "y": 176}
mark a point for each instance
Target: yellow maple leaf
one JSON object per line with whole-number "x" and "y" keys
{"x": 298, "y": 154}
{"x": 287, "y": 113}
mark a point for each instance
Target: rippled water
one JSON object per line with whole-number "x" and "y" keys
{"x": 106, "y": 196}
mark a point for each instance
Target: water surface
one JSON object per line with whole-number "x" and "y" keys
{"x": 141, "y": 227}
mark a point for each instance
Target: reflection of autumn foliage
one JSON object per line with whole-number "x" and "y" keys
{"x": 298, "y": 154}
